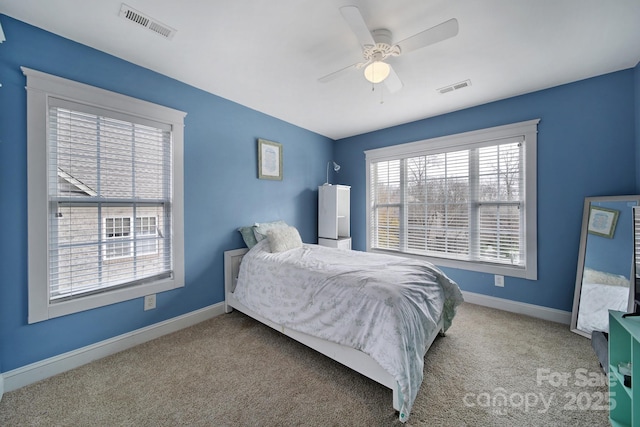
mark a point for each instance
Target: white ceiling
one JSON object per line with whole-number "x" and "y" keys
{"x": 268, "y": 55}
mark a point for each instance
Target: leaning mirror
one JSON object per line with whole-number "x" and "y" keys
{"x": 605, "y": 262}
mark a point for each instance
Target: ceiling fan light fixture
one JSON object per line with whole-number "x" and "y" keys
{"x": 377, "y": 71}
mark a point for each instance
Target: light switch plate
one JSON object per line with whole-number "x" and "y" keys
{"x": 499, "y": 280}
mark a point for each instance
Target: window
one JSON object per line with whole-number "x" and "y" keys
{"x": 147, "y": 233}
{"x": 105, "y": 197}
{"x": 118, "y": 231}
{"x": 465, "y": 201}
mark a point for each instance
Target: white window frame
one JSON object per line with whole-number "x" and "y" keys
{"x": 528, "y": 130}
{"x": 40, "y": 88}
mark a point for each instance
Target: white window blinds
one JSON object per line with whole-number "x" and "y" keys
{"x": 462, "y": 204}
{"x": 109, "y": 185}
{"x": 461, "y": 198}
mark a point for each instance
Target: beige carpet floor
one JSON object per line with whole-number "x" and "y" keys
{"x": 493, "y": 368}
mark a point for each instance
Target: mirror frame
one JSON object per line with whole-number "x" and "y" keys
{"x": 582, "y": 253}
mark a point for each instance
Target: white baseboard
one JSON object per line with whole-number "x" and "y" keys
{"x": 29, "y": 374}
{"x": 546, "y": 313}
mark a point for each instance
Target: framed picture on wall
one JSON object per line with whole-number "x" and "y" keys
{"x": 269, "y": 160}
{"x": 602, "y": 221}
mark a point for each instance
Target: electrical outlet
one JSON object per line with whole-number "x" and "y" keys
{"x": 499, "y": 280}
{"x": 149, "y": 302}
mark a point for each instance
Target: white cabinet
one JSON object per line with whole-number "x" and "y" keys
{"x": 341, "y": 243}
{"x": 334, "y": 215}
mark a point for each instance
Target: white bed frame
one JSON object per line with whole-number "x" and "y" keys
{"x": 354, "y": 359}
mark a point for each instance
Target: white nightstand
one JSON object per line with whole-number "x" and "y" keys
{"x": 340, "y": 243}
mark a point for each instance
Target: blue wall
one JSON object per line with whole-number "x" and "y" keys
{"x": 222, "y": 191}
{"x": 586, "y": 147}
{"x": 636, "y": 75}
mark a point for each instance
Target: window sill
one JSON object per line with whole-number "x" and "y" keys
{"x": 99, "y": 300}
{"x": 503, "y": 270}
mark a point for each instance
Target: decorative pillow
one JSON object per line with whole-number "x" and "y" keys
{"x": 260, "y": 229}
{"x": 283, "y": 238}
{"x": 248, "y": 236}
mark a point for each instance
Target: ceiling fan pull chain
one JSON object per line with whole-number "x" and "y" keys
{"x": 373, "y": 89}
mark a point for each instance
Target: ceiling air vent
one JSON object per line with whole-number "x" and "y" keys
{"x": 454, "y": 86}
{"x": 129, "y": 13}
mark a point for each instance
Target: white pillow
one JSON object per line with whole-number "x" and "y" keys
{"x": 282, "y": 239}
{"x": 260, "y": 229}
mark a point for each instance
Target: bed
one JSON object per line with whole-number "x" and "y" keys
{"x": 376, "y": 314}
{"x": 601, "y": 292}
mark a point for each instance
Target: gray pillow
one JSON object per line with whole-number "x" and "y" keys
{"x": 248, "y": 236}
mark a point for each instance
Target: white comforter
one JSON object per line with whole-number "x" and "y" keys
{"x": 382, "y": 305}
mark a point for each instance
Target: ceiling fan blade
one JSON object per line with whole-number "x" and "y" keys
{"x": 428, "y": 37}
{"x": 339, "y": 73}
{"x": 393, "y": 82}
{"x": 354, "y": 18}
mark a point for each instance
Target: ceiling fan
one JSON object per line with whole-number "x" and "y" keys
{"x": 377, "y": 47}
